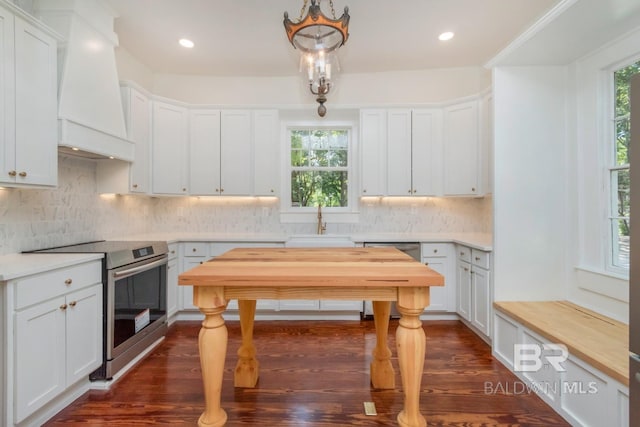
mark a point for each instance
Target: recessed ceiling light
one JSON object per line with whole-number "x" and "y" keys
{"x": 446, "y": 36}
{"x": 186, "y": 43}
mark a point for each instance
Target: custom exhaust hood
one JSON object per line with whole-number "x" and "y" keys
{"x": 90, "y": 113}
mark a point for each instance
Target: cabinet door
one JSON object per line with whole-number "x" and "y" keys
{"x": 464, "y": 289}
{"x": 187, "y": 291}
{"x": 481, "y": 300}
{"x": 461, "y": 149}
{"x": 7, "y": 98}
{"x": 39, "y": 356}
{"x": 236, "y": 176}
{"x": 172, "y": 287}
{"x": 438, "y": 295}
{"x": 204, "y": 148}
{"x": 36, "y": 105}
{"x": 169, "y": 149}
{"x": 426, "y": 152}
{"x": 373, "y": 131}
{"x": 399, "y": 153}
{"x": 84, "y": 332}
{"x": 266, "y": 153}
{"x": 138, "y": 115}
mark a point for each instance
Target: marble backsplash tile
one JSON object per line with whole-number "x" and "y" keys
{"x": 74, "y": 212}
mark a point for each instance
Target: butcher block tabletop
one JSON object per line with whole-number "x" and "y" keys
{"x": 330, "y": 267}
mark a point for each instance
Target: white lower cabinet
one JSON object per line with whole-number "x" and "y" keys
{"x": 57, "y": 335}
{"x": 440, "y": 258}
{"x": 193, "y": 254}
{"x": 474, "y": 288}
{"x": 172, "y": 282}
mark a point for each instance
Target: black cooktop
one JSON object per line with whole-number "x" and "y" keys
{"x": 117, "y": 252}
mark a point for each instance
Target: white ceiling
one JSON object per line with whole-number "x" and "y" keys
{"x": 247, "y": 37}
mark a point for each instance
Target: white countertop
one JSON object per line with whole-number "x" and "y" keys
{"x": 19, "y": 265}
{"x": 482, "y": 241}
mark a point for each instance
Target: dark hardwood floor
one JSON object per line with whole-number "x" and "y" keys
{"x": 315, "y": 373}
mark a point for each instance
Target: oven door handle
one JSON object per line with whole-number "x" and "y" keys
{"x": 135, "y": 270}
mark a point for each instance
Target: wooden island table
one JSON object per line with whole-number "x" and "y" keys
{"x": 378, "y": 274}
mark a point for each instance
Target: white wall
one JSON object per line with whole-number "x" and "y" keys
{"x": 530, "y": 212}
{"x": 392, "y": 88}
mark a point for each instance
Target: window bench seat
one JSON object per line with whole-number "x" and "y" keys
{"x": 592, "y": 386}
{"x": 598, "y": 340}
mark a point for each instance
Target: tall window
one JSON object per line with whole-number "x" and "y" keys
{"x": 319, "y": 167}
{"x": 619, "y": 168}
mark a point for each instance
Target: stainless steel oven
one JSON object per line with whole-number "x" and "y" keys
{"x": 134, "y": 277}
{"x": 136, "y": 310}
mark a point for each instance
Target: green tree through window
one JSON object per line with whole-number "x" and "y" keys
{"x": 319, "y": 167}
{"x": 619, "y": 167}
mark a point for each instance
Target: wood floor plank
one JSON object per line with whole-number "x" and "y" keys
{"x": 315, "y": 374}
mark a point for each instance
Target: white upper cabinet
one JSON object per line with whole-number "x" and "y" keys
{"x": 461, "y": 150}
{"x": 234, "y": 152}
{"x": 399, "y": 152}
{"x": 426, "y": 152}
{"x": 137, "y": 109}
{"x": 236, "y": 177}
{"x": 373, "y": 143}
{"x": 169, "y": 148}
{"x": 28, "y": 103}
{"x": 266, "y": 152}
{"x": 204, "y": 148}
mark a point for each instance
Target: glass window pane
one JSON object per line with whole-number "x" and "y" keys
{"x": 622, "y": 141}
{"x": 620, "y": 186}
{"x": 620, "y": 231}
{"x": 338, "y": 158}
{"x": 319, "y": 188}
{"x": 299, "y": 158}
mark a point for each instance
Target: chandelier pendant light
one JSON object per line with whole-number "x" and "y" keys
{"x": 318, "y": 37}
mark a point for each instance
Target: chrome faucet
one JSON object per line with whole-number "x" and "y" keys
{"x": 321, "y": 227}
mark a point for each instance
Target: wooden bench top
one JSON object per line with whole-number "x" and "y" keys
{"x": 596, "y": 339}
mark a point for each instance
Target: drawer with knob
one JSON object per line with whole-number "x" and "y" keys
{"x": 434, "y": 249}
{"x": 41, "y": 287}
{"x": 480, "y": 258}
{"x": 195, "y": 249}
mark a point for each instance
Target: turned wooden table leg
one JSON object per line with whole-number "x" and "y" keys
{"x": 246, "y": 374}
{"x": 382, "y": 374}
{"x": 411, "y": 343}
{"x": 212, "y": 343}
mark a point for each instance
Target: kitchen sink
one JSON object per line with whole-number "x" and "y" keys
{"x": 319, "y": 240}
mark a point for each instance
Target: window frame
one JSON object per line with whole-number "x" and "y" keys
{"x": 611, "y": 168}
{"x": 309, "y": 214}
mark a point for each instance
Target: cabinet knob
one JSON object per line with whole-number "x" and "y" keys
{"x": 68, "y": 282}
{"x": 466, "y": 269}
{"x": 426, "y": 263}
{"x": 73, "y": 303}
{"x": 22, "y": 174}
{"x": 272, "y": 190}
{"x": 410, "y": 191}
{"x": 415, "y": 191}
{"x": 461, "y": 253}
{"x": 12, "y": 173}
{"x": 135, "y": 185}
{"x": 184, "y": 189}
{"x": 477, "y": 258}
{"x": 435, "y": 251}
{"x": 63, "y": 307}
{"x": 217, "y": 190}
{"x": 473, "y": 188}
{"x": 194, "y": 250}
{"x": 364, "y": 190}
{"x": 222, "y": 190}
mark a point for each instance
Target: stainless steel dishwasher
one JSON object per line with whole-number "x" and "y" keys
{"x": 410, "y": 248}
